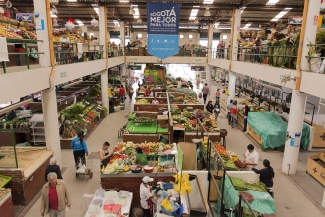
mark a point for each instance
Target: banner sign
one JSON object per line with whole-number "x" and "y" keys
{"x": 295, "y": 20}
{"x": 163, "y": 22}
{"x": 198, "y": 68}
{"x": 25, "y": 16}
{"x": 134, "y": 67}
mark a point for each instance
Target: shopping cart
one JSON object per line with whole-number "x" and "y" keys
{"x": 84, "y": 170}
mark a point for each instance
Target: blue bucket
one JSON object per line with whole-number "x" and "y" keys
{"x": 167, "y": 186}
{"x": 171, "y": 213}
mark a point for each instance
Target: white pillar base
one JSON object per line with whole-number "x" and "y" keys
{"x": 296, "y": 117}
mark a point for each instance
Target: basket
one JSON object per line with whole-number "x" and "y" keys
{"x": 148, "y": 169}
{"x": 136, "y": 171}
{"x": 167, "y": 186}
{"x": 7, "y": 178}
{"x": 171, "y": 213}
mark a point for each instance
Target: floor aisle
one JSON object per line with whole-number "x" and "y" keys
{"x": 291, "y": 200}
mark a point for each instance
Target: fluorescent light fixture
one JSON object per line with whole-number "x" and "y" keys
{"x": 96, "y": 10}
{"x": 196, "y": 6}
{"x": 247, "y": 25}
{"x": 71, "y": 0}
{"x": 281, "y": 14}
{"x": 139, "y": 20}
{"x": 193, "y": 14}
{"x": 272, "y": 2}
{"x": 53, "y": 15}
{"x": 208, "y": 1}
{"x": 207, "y": 13}
{"x": 124, "y": 1}
{"x": 215, "y": 25}
{"x": 79, "y": 22}
{"x": 242, "y": 9}
{"x": 196, "y": 21}
{"x": 136, "y": 14}
{"x": 116, "y": 23}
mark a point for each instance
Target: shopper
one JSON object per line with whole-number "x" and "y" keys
{"x": 251, "y": 157}
{"x": 104, "y": 155}
{"x": 64, "y": 39}
{"x": 198, "y": 81}
{"x": 155, "y": 101}
{"x": 216, "y": 109}
{"x": 209, "y": 107}
{"x": 218, "y": 95}
{"x": 122, "y": 94}
{"x": 146, "y": 196}
{"x": 179, "y": 84}
{"x": 140, "y": 157}
{"x": 53, "y": 168}
{"x": 80, "y": 149}
{"x": 266, "y": 174}
{"x": 199, "y": 115}
{"x": 131, "y": 91}
{"x": 233, "y": 114}
{"x": 11, "y": 115}
{"x": 205, "y": 92}
{"x": 228, "y": 111}
{"x": 54, "y": 197}
{"x": 245, "y": 112}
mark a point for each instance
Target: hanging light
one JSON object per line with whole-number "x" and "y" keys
{"x": 207, "y": 12}
{"x": 139, "y": 20}
{"x": 131, "y": 11}
{"x": 196, "y": 21}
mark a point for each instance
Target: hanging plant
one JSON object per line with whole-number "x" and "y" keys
{"x": 94, "y": 23}
{"x": 69, "y": 26}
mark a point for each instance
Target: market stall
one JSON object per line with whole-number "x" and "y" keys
{"x": 6, "y": 205}
{"x": 26, "y": 167}
{"x": 274, "y": 134}
{"x": 144, "y": 104}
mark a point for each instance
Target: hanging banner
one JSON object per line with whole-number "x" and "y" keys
{"x": 134, "y": 67}
{"x": 163, "y": 22}
{"x": 198, "y": 68}
{"x": 25, "y": 16}
{"x": 295, "y": 20}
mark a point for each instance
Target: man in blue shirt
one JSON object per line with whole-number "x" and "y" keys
{"x": 228, "y": 111}
{"x": 80, "y": 149}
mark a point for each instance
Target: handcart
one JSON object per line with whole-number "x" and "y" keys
{"x": 85, "y": 170}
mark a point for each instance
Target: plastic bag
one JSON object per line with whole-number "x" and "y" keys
{"x": 200, "y": 96}
{"x": 167, "y": 205}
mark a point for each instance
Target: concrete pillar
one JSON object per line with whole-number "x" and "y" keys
{"x": 123, "y": 72}
{"x": 296, "y": 118}
{"x": 234, "y": 32}
{"x": 103, "y": 42}
{"x": 231, "y": 86}
{"x": 210, "y": 39}
{"x": 208, "y": 77}
{"x": 311, "y": 27}
{"x": 51, "y": 125}
{"x": 122, "y": 34}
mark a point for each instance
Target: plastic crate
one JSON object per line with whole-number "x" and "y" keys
{"x": 7, "y": 178}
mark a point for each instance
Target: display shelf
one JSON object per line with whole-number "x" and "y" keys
{"x": 39, "y": 132}
{"x": 38, "y": 139}
{"x": 38, "y": 125}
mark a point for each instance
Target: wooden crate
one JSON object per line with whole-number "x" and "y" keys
{"x": 240, "y": 120}
{"x": 255, "y": 136}
{"x": 316, "y": 167}
{"x": 318, "y": 142}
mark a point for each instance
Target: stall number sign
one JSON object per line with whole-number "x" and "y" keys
{"x": 315, "y": 20}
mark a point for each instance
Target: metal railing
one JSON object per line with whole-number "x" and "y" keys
{"x": 277, "y": 56}
{"x": 182, "y": 52}
{"x": 22, "y": 54}
{"x": 67, "y": 53}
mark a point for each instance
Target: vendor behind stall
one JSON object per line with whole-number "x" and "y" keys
{"x": 145, "y": 196}
{"x": 104, "y": 155}
{"x": 140, "y": 157}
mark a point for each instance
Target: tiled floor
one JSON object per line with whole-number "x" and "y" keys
{"x": 290, "y": 198}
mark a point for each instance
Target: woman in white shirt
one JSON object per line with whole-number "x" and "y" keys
{"x": 251, "y": 157}
{"x": 145, "y": 196}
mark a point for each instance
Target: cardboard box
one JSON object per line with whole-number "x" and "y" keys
{"x": 316, "y": 167}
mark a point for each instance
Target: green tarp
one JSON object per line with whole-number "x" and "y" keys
{"x": 273, "y": 130}
{"x": 141, "y": 128}
{"x": 262, "y": 203}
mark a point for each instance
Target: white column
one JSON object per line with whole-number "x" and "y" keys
{"x": 231, "y": 86}
{"x": 122, "y": 34}
{"x": 234, "y": 33}
{"x": 208, "y": 76}
{"x": 123, "y": 72}
{"x": 210, "y": 39}
{"x": 296, "y": 118}
{"x": 103, "y": 41}
{"x": 50, "y": 111}
{"x": 311, "y": 27}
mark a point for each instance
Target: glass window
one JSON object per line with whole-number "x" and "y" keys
{"x": 139, "y": 35}
{"x": 190, "y": 36}
{"x": 181, "y": 36}
{"x": 224, "y": 37}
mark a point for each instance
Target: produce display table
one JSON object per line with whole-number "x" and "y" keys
{"x": 129, "y": 181}
{"x": 189, "y": 135}
{"x": 109, "y": 195}
{"x": 6, "y": 206}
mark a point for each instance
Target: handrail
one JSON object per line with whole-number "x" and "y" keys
{"x": 22, "y": 39}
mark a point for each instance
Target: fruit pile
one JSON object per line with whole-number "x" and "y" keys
{"x": 143, "y": 120}
{"x": 142, "y": 101}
